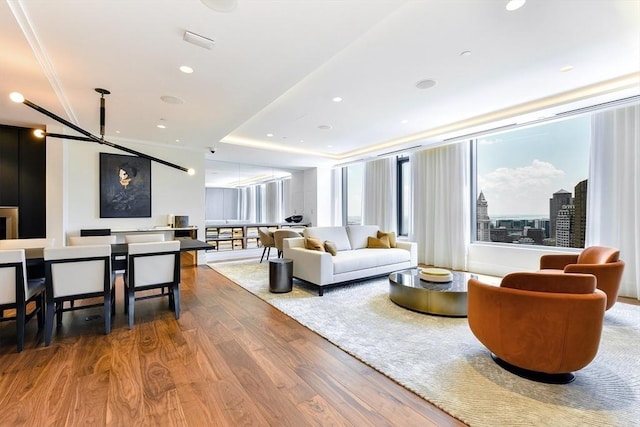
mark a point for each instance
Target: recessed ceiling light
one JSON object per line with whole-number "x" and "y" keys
{"x": 269, "y": 135}
{"x": 302, "y": 140}
{"x": 566, "y": 68}
{"x": 161, "y": 126}
{"x": 177, "y": 140}
{"x": 186, "y": 69}
{"x": 515, "y": 5}
{"x": 404, "y": 122}
{"x": 329, "y": 146}
{"x": 465, "y": 53}
{"x": 426, "y": 84}
{"x": 325, "y": 127}
{"x": 117, "y": 131}
{"x": 337, "y": 99}
{"x": 169, "y": 99}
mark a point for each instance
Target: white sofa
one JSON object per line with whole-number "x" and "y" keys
{"x": 353, "y": 260}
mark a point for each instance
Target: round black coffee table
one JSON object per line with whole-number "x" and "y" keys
{"x": 408, "y": 290}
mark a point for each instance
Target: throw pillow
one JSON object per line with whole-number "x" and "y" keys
{"x": 313, "y": 244}
{"x": 330, "y": 247}
{"x": 391, "y": 235}
{"x": 382, "y": 242}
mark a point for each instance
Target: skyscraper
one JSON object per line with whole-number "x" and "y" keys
{"x": 482, "y": 219}
{"x": 564, "y": 222}
{"x": 560, "y": 198}
{"x": 580, "y": 215}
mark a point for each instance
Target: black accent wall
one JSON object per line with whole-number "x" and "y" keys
{"x": 23, "y": 178}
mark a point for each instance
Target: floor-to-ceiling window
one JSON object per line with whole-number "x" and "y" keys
{"x": 404, "y": 195}
{"x": 352, "y": 193}
{"x": 531, "y": 184}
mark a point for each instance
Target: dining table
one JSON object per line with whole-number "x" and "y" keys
{"x": 35, "y": 256}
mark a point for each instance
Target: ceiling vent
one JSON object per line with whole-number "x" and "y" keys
{"x": 198, "y": 40}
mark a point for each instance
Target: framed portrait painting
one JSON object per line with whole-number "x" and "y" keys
{"x": 125, "y": 186}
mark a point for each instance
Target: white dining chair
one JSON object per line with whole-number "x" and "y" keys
{"x": 74, "y": 273}
{"x": 143, "y": 238}
{"x": 153, "y": 265}
{"x": 16, "y": 291}
{"x": 91, "y": 240}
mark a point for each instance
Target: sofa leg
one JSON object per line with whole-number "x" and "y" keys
{"x": 320, "y": 291}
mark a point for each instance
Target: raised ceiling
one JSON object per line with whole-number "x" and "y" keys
{"x": 263, "y": 94}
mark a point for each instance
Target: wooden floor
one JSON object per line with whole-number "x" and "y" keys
{"x": 231, "y": 360}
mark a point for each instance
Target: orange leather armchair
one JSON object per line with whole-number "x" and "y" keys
{"x": 541, "y": 326}
{"x": 601, "y": 261}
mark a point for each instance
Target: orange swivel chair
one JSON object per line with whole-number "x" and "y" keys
{"x": 540, "y": 326}
{"x": 600, "y": 261}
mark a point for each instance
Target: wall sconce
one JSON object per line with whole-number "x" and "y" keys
{"x": 18, "y": 98}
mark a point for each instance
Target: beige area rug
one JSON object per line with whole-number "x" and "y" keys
{"x": 439, "y": 359}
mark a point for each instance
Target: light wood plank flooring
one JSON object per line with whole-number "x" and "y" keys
{"x": 230, "y": 360}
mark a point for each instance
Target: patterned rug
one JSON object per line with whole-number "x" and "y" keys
{"x": 439, "y": 359}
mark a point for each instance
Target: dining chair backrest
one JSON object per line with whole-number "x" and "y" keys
{"x": 78, "y": 269}
{"x": 26, "y": 243}
{"x": 143, "y": 238}
{"x": 152, "y": 263}
{"x": 91, "y": 240}
{"x": 12, "y": 270}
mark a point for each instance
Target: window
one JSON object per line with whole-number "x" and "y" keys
{"x": 352, "y": 193}
{"x": 532, "y": 184}
{"x": 404, "y": 195}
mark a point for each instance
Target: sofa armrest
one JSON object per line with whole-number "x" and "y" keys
{"x": 412, "y": 247}
{"x": 313, "y": 266}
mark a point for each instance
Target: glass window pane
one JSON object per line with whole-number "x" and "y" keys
{"x": 531, "y": 184}
{"x": 355, "y": 174}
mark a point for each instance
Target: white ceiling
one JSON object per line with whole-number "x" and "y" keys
{"x": 277, "y": 64}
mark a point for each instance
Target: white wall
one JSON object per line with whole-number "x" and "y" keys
{"x": 73, "y": 188}
{"x": 500, "y": 259}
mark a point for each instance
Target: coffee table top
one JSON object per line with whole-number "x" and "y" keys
{"x": 408, "y": 290}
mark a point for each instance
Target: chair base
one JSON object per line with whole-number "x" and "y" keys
{"x": 540, "y": 377}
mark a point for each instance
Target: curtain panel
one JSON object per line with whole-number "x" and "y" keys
{"x": 336, "y": 207}
{"x": 613, "y": 193}
{"x": 440, "y": 200}
{"x": 379, "y": 204}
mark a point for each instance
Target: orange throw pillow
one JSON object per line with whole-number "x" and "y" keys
{"x": 330, "y": 247}
{"x": 391, "y": 235}
{"x": 382, "y": 242}
{"x": 313, "y": 244}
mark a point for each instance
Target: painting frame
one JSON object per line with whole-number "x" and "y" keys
{"x": 125, "y": 186}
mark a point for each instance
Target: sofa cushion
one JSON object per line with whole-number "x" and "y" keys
{"x": 391, "y": 235}
{"x": 330, "y": 247}
{"x": 337, "y": 235}
{"x": 361, "y": 259}
{"x": 313, "y": 244}
{"x": 358, "y": 235}
{"x": 382, "y": 242}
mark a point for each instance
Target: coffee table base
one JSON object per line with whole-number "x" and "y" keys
{"x": 444, "y": 299}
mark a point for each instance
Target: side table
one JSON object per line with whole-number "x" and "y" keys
{"x": 280, "y": 275}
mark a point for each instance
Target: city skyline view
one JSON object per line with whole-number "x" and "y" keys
{"x": 518, "y": 171}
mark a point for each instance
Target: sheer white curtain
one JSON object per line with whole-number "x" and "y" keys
{"x": 248, "y": 204}
{"x": 613, "y": 203}
{"x": 336, "y": 207}
{"x": 379, "y": 204}
{"x": 273, "y": 202}
{"x": 440, "y": 195}
{"x": 286, "y": 198}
